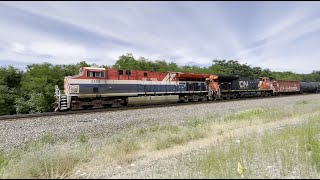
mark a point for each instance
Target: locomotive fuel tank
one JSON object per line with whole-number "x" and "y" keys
{"x": 152, "y": 99}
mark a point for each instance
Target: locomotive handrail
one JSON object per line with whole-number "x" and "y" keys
{"x": 57, "y": 90}
{"x": 57, "y": 95}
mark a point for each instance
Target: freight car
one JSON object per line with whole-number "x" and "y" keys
{"x": 282, "y": 87}
{"x": 100, "y": 87}
{"x": 310, "y": 87}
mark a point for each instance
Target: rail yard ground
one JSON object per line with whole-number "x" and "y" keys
{"x": 254, "y": 138}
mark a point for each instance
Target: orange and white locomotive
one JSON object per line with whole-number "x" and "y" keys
{"x": 101, "y": 87}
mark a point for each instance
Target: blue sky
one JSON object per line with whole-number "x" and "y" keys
{"x": 281, "y": 36}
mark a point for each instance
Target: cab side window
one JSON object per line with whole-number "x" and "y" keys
{"x": 95, "y": 74}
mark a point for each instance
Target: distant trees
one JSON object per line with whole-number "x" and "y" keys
{"x": 38, "y": 87}
{"x": 232, "y": 67}
{"x": 10, "y": 84}
{"x": 33, "y": 90}
{"x": 126, "y": 62}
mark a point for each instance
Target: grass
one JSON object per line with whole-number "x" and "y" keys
{"x": 47, "y": 157}
{"x": 83, "y": 138}
{"x": 48, "y": 139}
{"x": 120, "y": 149}
{"x": 290, "y": 152}
{"x": 249, "y": 114}
{"x": 3, "y": 160}
{"x": 52, "y": 157}
{"x": 164, "y": 136}
{"x": 45, "y": 163}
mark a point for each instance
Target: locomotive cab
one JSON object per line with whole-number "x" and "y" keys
{"x": 91, "y": 72}
{"x": 265, "y": 83}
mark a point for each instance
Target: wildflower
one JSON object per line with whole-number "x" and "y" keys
{"x": 240, "y": 169}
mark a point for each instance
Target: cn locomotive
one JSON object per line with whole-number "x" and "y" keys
{"x": 106, "y": 87}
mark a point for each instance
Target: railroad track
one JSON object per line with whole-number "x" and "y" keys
{"x": 21, "y": 116}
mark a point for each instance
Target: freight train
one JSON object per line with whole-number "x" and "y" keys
{"x": 100, "y": 87}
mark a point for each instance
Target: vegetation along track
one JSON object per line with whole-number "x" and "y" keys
{"x": 20, "y": 116}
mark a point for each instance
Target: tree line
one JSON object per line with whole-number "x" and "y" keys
{"x": 32, "y": 91}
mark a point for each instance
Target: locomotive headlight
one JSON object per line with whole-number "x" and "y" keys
{"x": 74, "y": 88}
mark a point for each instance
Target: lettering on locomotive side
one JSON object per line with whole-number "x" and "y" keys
{"x": 95, "y": 81}
{"x": 243, "y": 84}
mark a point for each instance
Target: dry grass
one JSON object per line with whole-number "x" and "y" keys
{"x": 293, "y": 152}
{"x": 51, "y": 157}
{"x": 45, "y": 158}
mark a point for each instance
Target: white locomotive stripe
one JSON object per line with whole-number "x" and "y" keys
{"x": 133, "y": 94}
{"x": 173, "y": 75}
{"x": 166, "y": 78}
{"x": 103, "y": 81}
{"x": 169, "y": 77}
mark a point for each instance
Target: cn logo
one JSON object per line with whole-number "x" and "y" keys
{"x": 243, "y": 84}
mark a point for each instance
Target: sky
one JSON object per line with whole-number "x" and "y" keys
{"x": 281, "y": 36}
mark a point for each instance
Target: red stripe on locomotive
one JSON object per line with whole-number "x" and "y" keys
{"x": 113, "y": 74}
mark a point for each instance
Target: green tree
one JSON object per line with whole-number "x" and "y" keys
{"x": 83, "y": 64}
{"x": 160, "y": 66}
{"x": 73, "y": 69}
{"x": 10, "y": 77}
{"x": 39, "y": 82}
{"x": 34, "y": 103}
{"x": 70, "y": 70}
{"x": 10, "y": 83}
{"x": 7, "y": 100}
{"x": 106, "y": 66}
{"x": 126, "y": 62}
{"x": 173, "y": 67}
{"x": 144, "y": 64}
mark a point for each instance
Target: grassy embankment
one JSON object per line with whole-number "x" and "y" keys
{"x": 287, "y": 149}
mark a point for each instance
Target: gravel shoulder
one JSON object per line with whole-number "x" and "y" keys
{"x": 176, "y": 162}
{"x": 103, "y": 124}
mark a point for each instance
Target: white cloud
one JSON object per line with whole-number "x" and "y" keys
{"x": 182, "y": 32}
{"x": 58, "y": 49}
{"x": 18, "y": 47}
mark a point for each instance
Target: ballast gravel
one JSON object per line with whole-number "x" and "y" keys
{"x": 16, "y": 133}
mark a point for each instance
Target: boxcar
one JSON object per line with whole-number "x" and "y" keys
{"x": 286, "y": 87}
